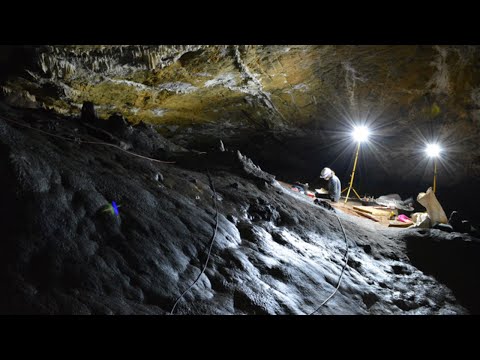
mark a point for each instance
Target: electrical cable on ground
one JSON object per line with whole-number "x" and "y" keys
{"x": 343, "y": 269}
{"x": 210, "y": 248}
{"x": 80, "y": 141}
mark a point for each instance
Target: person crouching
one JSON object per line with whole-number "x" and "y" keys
{"x": 334, "y": 185}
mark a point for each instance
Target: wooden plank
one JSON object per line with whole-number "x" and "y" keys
{"x": 371, "y": 217}
{"x": 396, "y": 223}
{"x": 371, "y": 210}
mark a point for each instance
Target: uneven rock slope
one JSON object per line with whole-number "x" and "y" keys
{"x": 62, "y": 251}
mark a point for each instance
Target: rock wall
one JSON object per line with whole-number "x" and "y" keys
{"x": 409, "y": 94}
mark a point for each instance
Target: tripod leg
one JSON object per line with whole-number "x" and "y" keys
{"x": 358, "y": 196}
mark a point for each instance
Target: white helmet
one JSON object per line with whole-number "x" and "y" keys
{"x": 326, "y": 173}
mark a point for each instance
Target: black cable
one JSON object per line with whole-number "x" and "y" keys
{"x": 210, "y": 248}
{"x": 343, "y": 269}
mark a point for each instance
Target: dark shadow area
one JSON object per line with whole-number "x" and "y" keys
{"x": 14, "y": 60}
{"x": 450, "y": 258}
{"x": 14, "y": 227}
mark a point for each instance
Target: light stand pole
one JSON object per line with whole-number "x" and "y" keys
{"x": 350, "y": 187}
{"x": 359, "y": 134}
{"x": 433, "y": 151}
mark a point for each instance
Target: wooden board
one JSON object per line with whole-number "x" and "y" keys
{"x": 344, "y": 208}
{"x": 373, "y": 211}
{"x": 396, "y": 223}
{"x": 364, "y": 214}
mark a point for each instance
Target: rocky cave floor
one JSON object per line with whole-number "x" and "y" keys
{"x": 63, "y": 252}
